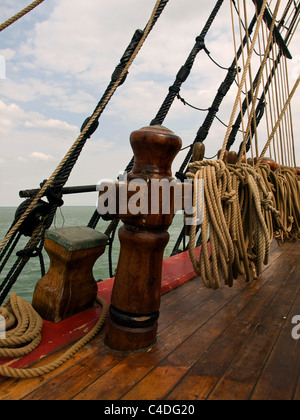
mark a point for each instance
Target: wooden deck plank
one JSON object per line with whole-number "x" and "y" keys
{"x": 15, "y": 389}
{"x": 297, "y": 391}
{"x": 240, "y": 379}
{"x": 179, "y": 329}
{"x": 64, "y": 387}
{"x": 225, "y": 344}
{"x": 211, "y": 366}
{"x": 187, "y": 354}
{"x": 280, "y": 375}
{"x": 157, "y": 384}
{"x": 67, "y": 386}
{"x": 134, "y": 368}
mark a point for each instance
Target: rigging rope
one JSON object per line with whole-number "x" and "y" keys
{"x": 243, "y": 79}
{"x": 239, "y": 204}
{"x": 53, "y": 187}
{"x": 221, "y": 94}
{"x": 26, "y": 337}
{"x": 264, "y": 100}
{"x": 279, "y": 120}
{"x": 262, "y": 67}
{"x": 19, "y": 15}
{"x": 160, "y": 4}
{"x": 185, "y": 70}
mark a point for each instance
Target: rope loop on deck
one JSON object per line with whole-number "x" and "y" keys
{"x": 27, "y": 335}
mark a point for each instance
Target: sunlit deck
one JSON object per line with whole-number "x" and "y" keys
{"x": 230, "y": 344}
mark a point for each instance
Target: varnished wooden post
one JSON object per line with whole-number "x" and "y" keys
{"x": 136, "y": 295}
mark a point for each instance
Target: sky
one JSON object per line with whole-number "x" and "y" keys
{"x": 59, "y": 59}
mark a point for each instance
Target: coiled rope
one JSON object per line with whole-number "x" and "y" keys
{"x": 217, "y": 187}
{"x": 19, "y": 15}
{"x": 287, "y": 197}
{"x": 26, "y": 337}
{"x": 234, "y": 225}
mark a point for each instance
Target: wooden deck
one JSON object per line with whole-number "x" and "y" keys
{"x": 232, "y": 344}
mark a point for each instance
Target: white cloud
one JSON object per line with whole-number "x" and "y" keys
{"x": 41, "y": 156}
{"x": 50, "y": 124}
{"x": 8, "y": 53}
{"x": 59, "y": 62}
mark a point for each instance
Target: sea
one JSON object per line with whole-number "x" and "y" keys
{"x": 67, "y": 216}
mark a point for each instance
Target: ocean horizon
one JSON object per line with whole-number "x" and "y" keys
{"x": 67, "y": 216}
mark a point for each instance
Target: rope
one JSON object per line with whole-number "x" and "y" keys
{"x": 260, "y": 78}
{"x": 287, "y": 198}
{"x": 238, "y": 207}
{"x": 243, "y": 79}
{"x": 88, "y": 126}
{"x": 217, "y": 187}
{"x": 20, "y": 14}
{"x": 279, "y": 120}
{"x": 27, "y": 336}
{"x": 186, "y": 69}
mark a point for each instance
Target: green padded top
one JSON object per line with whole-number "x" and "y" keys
{"x": 77, "y": 238}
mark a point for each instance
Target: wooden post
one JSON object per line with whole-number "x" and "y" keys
{"x": 135, "y": 304}
{"x": 69, "y": 286}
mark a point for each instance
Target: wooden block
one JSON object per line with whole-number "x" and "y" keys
{"x": 69, "y": 287}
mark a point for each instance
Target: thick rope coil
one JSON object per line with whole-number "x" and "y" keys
{"x": 26, "y": 337}
{"x": 217, "y": 186}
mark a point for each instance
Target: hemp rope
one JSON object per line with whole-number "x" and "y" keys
{"x": 279, "y": 120}
{"x": 86, "y": 129}
{"x": 217, "y": 187}
{"x": 28, "y": 334}
{"x": 260, "y": 78}
{"x": 238, "y": 203}
{"x": 20, "y": 14}
{"x": 243, "y": 79}
{"x": 287, "y": 197}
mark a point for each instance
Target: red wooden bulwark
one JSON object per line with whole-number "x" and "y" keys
{"x": 176, "y": 271}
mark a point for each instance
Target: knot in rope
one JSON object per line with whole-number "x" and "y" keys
{"x": 267, "y": 202}
{"x": 229, "y": 197}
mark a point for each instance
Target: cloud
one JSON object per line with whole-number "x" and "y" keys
{"x": 50, "y": 125}
{"x": 59, "y": 62}
{"x": 41, "y": 156}
{"x": 8, "y": 53}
